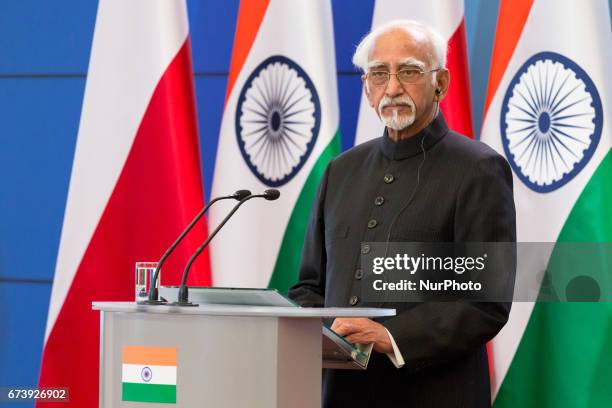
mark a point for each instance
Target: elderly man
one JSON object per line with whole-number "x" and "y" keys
{"x": 419, "y": 182}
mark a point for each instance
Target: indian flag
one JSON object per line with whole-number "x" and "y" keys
{"x": 549, "y": 97}
{"x": 148, "y": 374}
{"x": 279, "y": 130}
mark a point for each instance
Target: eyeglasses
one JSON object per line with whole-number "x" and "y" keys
{"x": 404, "y": 76}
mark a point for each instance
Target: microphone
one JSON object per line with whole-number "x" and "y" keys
{"x": 183, "y": 294}
{"x": 271, "y": 194}
{"x": 153, "y": 291}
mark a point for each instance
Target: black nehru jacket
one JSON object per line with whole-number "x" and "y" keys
{"x": 464, "y": 195}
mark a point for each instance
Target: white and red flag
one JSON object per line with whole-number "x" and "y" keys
{"x": 135, "y": 183}
{"x": 447, "y": 17}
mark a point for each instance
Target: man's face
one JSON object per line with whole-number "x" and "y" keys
{"x": 399, "y": 105}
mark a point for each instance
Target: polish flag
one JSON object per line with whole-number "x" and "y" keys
{"x": 447, "y": 17}
{"x": 135, "y": 182}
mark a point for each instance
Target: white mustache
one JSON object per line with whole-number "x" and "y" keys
{"x": 402, "y": 101}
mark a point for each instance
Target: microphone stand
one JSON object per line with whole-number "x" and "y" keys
{"x": 183, "y": 294}
{"x": 153, "y": 289}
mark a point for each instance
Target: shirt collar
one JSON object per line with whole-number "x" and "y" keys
{"x": 410, "y": 147}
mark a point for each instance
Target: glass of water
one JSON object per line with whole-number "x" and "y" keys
{"x": 145, "y": 272}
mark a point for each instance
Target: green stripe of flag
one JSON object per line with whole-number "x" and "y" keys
{"x": 148, "y": 392}
{"x": 287, "y": 265}
{"x": 564, "y": 357}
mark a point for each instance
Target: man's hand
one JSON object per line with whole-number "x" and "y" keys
{"x": 360, "y": 330}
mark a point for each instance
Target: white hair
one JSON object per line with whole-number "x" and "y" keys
{"x": 438, "y": 44}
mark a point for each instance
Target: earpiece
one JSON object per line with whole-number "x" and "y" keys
{"x": 438, "y": 92}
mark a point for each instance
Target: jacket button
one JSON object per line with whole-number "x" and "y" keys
{"x": 358, "y": 274}
{"x": 388, "y": 178}
{"x": 365, "y": 249}
{"x": 379, "y": 200}
{"x": 372, "y": 223}
{"x": 353, "y": 300}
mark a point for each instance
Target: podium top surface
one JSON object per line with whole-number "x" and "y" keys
{"x": 241, "y": 310}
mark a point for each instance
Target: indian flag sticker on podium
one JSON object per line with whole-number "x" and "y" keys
{"x": 148, "y": 374}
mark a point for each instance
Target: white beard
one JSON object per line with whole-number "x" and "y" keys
{"x": 396, "y": 121}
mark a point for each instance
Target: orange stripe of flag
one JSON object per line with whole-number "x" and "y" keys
{"x": 250, "y": 16}
{"x": 165, "y": 356}
{"x": 510, "y": 23}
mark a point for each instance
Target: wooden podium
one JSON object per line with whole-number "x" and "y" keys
{"x": 226, "y": 355}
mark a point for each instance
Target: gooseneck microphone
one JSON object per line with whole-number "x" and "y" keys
{"x": 183, "y": 294}
{"x": 153, "y": 290}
